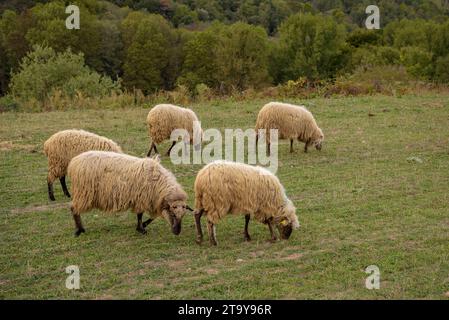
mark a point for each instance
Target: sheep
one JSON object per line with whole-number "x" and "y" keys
{"x": 292, "y": 122}
{"x": 224, "y": 187}
{"x": 61, "y": 147}
{"x": 164, "y": 118}
{"x": 115, "y": 182}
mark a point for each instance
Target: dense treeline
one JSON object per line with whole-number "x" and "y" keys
{"x": 220, "y": 44}
{"x": 269, "y": 13}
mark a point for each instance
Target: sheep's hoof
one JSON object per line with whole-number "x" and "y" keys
{"x": 51, "y": 197}
{"x": 79, "y": 231}
{"x": 199, "y": 240}
{"x": 247, "y": 238}
{"x": 67, "y": 195}
{"x": 213, "y": 243}
{"x": 142, "y": 231}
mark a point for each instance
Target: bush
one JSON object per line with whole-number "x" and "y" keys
{"x": 370, "y": 56}
{"x": 386, "y": 79}
{"x": 8, "y": 103}
{"x": 442, "y": 69}
{"x": 203, "y": 92}
{"x": 418, "y": 62}
{"x": 43, "y": 72}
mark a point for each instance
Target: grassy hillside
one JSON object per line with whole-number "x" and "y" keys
{"x": 377, "y": 193}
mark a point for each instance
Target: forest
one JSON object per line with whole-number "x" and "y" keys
{"x": 217, "y": 47}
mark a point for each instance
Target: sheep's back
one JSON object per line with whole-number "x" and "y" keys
{"x": 70, "y": 143}
{"x": 225, "y": 187}
{"x": 291, "y": 121}
{"x": 165, "y": 118}
{"x": 109, "y": 181}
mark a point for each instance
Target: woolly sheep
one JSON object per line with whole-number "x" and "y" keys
{"x": 61, "y": 147}
{"x": 224, "y": 187}
{"x": 115, "y": 182}
{"x": 293, "y": 122}
{"x": 164, "y": 118}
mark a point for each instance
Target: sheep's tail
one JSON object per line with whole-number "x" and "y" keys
{"x": 46, "y": 148}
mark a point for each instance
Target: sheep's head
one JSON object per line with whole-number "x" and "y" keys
{"x": 287, "y": 221}
{"x": 173, "y": 210}
{"x": 318, "y": 141}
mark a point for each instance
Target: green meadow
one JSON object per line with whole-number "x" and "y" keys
{"x": 377, "y": 194}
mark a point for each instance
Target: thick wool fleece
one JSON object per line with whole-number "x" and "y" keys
{"x": 164, "y": 118}
{"x": 116, "y": 182}
{"x": 223, "y": 187}
{"x": 61, "y": 147}
{"x": 293, "y": 122}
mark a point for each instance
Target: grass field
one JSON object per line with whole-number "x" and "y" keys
{"x": 377, "y": 194}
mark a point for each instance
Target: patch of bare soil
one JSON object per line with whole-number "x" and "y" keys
{"x": 9, "y": 146}
{"x": 43, "y": 208}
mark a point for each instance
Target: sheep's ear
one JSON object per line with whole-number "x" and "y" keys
{"x": 188, "y": 208}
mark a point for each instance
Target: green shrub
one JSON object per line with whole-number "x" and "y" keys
{"x": 203, "y": 92}
{"x": 442, "y": 69}
{"x": 7, "y": 103}
{"x": 43, "y": 72}
{"x": 418, "y": 62}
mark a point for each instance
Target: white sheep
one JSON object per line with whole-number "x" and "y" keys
{"x": 163, "y": 119}
{"x": 224, "y": 187}
{"x": 61, "y": 147}
{"x": 292, "y": 122}
{"x": 115, "y": 182}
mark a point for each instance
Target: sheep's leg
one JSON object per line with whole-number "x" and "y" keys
{"x": 153, "y": 146}
{"x": 291, "y": 145}
{"x": 140, "y": 227}
{"x": 306, "y": 146}
{"x": 247, "y": 237}
{"x": 268, "y": 148}
{"x": 169, "y": 150}
{"x": 78, "y": 223}
{"x": 145, "y": 223}
{"x": 51, "y": 195}
{"x": 212, "y": 235}
{"x": 257, "y": 141}
{"x": 273, "y": 235}
{"x": 199, "y": 232}
{"x": 64, "y": 186}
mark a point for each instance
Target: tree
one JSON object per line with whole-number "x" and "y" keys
{"x": 311, "y": 46}
{"x": 149, "y": 52}
{"x": 13, "y": 45}
{"x": 242, "y": 57}
{"x": 184, "y": 16}
{"x": 200, "y": 58}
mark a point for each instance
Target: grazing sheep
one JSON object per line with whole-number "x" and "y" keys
{"x": 164, "y": 118}
{"x": 224, "y": 187}
{"x": 115, "y": 182}
{"x": 293, "y": 122}
{"x": 61, "y": 147}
